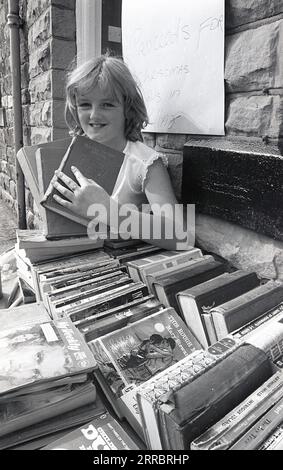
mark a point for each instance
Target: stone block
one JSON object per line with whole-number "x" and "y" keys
{"x": 59, "y": 133}
{"x": 62, "y": 53}
{"x": 67, "y": 4}
{"x": 58, "y": 119}
{"x": 63, "y": 23}
{"x": 40, "y": 30}
{"x": 243, "y": 248}
{"x": 241, "y": 186}
{"x": 35, "y": 8}
{"x": 13, "y": 189}
{"x": 171, "y": 141}
{"x": 240, "y": 12}
{"x": 149, "y": 139}
{"x": 40, "y": 135}
{"x": 260, "y": 64}
{"x": 40, "y": 60}
{"x": 58, "y": 78}
{"x": 40, "y": 87}
{"x": 256, "y": 116}
{"x": 41, "y": 113}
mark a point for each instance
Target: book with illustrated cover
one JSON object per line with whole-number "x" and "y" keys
{"x": 199, "y": 404}
{"x": 161, "y": 388}
{"x": 168, "y": 283}
{"x": 197, "y": 300}
{"x": 247, "y": 307}
{"x": 103, "y": 433}
{"x": 139, "y": 269}
{"x": 225, "y": 432}
{"x": 95, "y": 161}
{"x": 40, "y": 352}
{"x": 261, "y": 430}
{"x": 49, "y": 428}
{"x": 135, "y": 353}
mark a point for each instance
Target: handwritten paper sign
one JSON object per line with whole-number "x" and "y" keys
{"x": 175, "y": 50}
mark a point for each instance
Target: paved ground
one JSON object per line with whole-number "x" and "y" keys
{"x": 8, "y": 225}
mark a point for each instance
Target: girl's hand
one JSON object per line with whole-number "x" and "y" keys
{"x": 81, "y": 194}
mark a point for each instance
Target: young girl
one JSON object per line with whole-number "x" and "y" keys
{"x": 104, "y": 103}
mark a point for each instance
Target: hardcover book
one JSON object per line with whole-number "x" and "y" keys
{"x": 22, "y": 411}
{"x": 225, "y": 432}
{"x": 197, "y": 300}
{"x": 261, "y": 430}
{"x": 269, "y": 338}
{"x": 241, "y": 310}
{"x": 207, "y": 399}
{"x": 53, "y": 226}
{"x": 37, "y": 248}
{"x": 135, "y": 353}
{"x": 103, "y": 433}
{"x": 167, "y": 284}
{"x": 26, "y": 157}
{"x": 274, "y": 441}
{"x": 95, "y": 161}
{"x": 48, "y": 428}
{"x": 160, "y": 388}
{"x": 139, "y": 269}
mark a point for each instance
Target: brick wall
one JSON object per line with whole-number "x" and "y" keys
{"x": 48, "y": 46}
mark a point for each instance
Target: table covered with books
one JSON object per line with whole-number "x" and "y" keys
{"x": 128, "y": 346}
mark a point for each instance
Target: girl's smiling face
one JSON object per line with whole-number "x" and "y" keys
{"x": 102, "y": 117}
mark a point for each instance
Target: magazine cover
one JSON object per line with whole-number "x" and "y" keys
{"x": 38, "y": 352}
{"x": 137, "y": 352}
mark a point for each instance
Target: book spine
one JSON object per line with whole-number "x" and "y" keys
{"x": 249, "y": 306}
{"x": 222, "y": 435}
{"x": 261, "y": 430}
{"x": 274, "y": 441}
{"x": 109, "y": 303}
{"x": 269, "y": 340}
{"x": 223, "y": 387}
{"x": 54, "y": 179}
{"x": 34, "y": 416}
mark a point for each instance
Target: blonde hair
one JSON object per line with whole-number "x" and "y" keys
{"x": 111, "y": 74}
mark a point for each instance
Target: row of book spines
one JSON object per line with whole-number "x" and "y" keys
{"x": 216, "y": 393}
{"x": 225, "y": 432}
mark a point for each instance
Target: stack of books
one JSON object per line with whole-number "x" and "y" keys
{"x": 39, "y": 162}
{"x": 46, "y": 376}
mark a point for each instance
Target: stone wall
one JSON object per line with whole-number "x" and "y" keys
{"x": 48, "y": 46}
{"x": 253, "y": 121}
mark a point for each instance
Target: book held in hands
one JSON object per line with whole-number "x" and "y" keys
{"x": 95, "y": 161}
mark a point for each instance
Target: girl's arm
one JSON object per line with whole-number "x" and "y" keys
{"x": 166, "y": 227}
